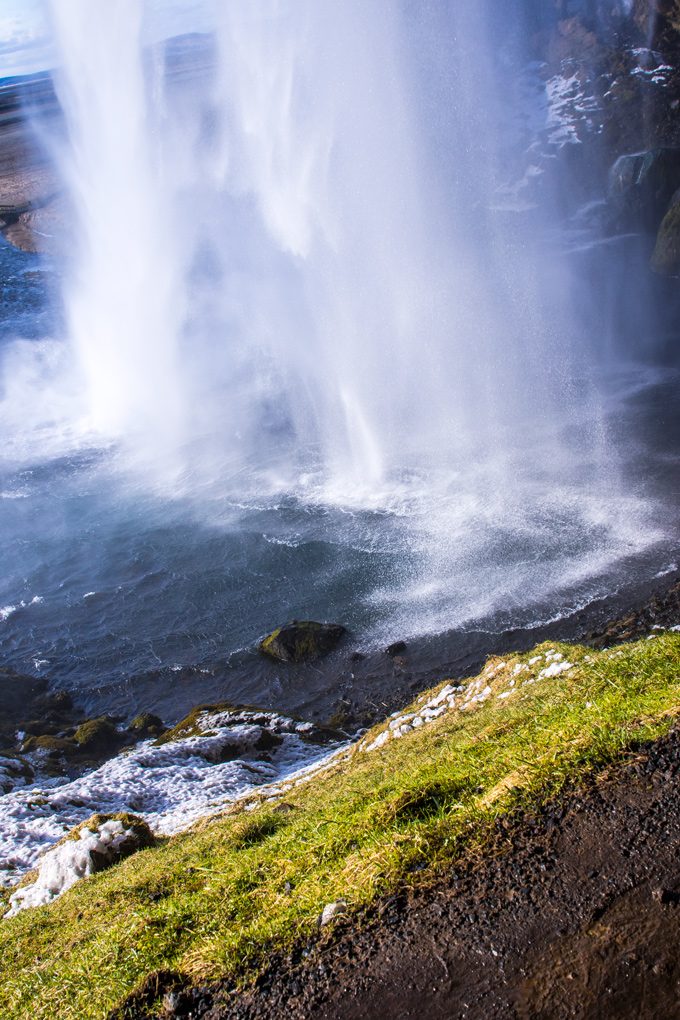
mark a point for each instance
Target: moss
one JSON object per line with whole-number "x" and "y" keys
{"x": 97, "y": 735}
{"x": 189, "y": 726}
{"x": 301, "y": 640}
{"x": 268, "y": 644}
{"x": 146, "y": 724}
{"x": 55, "y": 745}
{"x": 217, "y": 900}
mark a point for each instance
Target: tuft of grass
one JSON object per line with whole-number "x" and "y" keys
{"x": 216, "y": 900}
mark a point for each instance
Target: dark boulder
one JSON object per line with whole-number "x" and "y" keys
{"x": 98, "y": 736}
{"x": 18, "y": 695}
{"x": 640, "y": 187}
{"x": 396, "y": 648}
{"x": 302, "y": 640}
{"x": 666, "y": 256}
{"x": 146, "y": 724}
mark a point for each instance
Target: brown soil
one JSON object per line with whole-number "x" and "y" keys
{"x": 573, "y": 912}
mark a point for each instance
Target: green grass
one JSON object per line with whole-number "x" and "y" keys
{"x": 215, "y": 901}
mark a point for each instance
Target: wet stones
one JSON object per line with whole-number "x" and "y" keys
{"x": 641, "y": 185}
{"x": 98, "y": 736}
{"x": 666, "y": 256}
{"x": 302, "y": 641}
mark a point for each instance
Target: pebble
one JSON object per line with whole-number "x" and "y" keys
{"x": 331, "y": 911}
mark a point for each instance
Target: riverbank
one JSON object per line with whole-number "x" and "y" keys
{"x": 407, "y": 804}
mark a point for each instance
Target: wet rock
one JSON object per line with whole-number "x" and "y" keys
{"x": 572, "y": 40}
{"x": 396, "y": 648}
{"x": 661, "y": 611}
{"x": 268, "y": 741}
{"x": 94, "y": 845}
{"x": 92, "y": 740}
{"x": 136, "y": 836}
{"x": 641, "y": 185}
{"x": 666, "y": 256}
{"x": 193, "y": 724}
{"x": 36, "y": 226}
{"x": 302, "y": 640}
{"x": 657, "y": 19}
{"x": 18, "y": 694}
{"x": 98, "y": 736}
{"x": 146, "y": 724}
{"x": 47, "y": 742}
{"x": 13, "y": 772}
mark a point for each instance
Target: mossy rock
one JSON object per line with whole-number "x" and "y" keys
{"x": 189, "y": 725}
{"x": 302, "y": 640}
{"x": 50, "y": 743}
{"x": 140, "y": 838}
{"x": 98, "y": 736}
{"x": 146, "y": 724}
{"x": 666, "y": 256}
{"x": 13, "y": 768}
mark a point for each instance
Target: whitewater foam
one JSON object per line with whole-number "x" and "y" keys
{"x": 171, "y": 786}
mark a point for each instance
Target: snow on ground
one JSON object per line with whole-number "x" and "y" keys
{"x": 171, "y": 786}
{"x": 233, "y": 754}
{"x": 547, "y": 665}
{"x": 64, "y": 865}
{"x": 463, "y": 698}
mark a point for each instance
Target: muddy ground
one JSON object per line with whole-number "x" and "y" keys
{"x": 573, "y": 912}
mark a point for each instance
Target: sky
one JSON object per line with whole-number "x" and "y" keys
{"x": 25, "y": 44}
{"x": 24, "y": 39}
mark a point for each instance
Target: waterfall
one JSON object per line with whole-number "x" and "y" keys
{"x": 289, "y": 261}
{"x": 124, "y": 294}
{"x": 336, "y": 342}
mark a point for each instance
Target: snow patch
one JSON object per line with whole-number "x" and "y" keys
{"x": 63, "y": 866}
{"x": 171, "y": 786}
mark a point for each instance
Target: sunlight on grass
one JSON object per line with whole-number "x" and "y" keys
{"x": 216, "y": 900}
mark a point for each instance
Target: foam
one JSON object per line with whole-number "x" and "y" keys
{"x": 67, "y": 863}
{"x": 171, "y": 786}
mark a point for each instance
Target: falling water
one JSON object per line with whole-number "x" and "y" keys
{"x": 125, "y": 298}
{"x": 270, "y": 258}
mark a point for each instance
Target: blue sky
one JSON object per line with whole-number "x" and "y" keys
{"x": 24, "y": 38}
{"x": 25, "y": 44}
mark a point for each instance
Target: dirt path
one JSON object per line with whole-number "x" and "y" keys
{"x": 574, "y": 913}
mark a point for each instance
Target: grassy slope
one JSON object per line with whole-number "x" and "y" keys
{"x": 213, "y": 901}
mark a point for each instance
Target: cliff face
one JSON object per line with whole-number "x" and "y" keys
{"x": 31, "y": 208}
{"x": 609, "y": 71}
{"x": 626, "y": 60}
